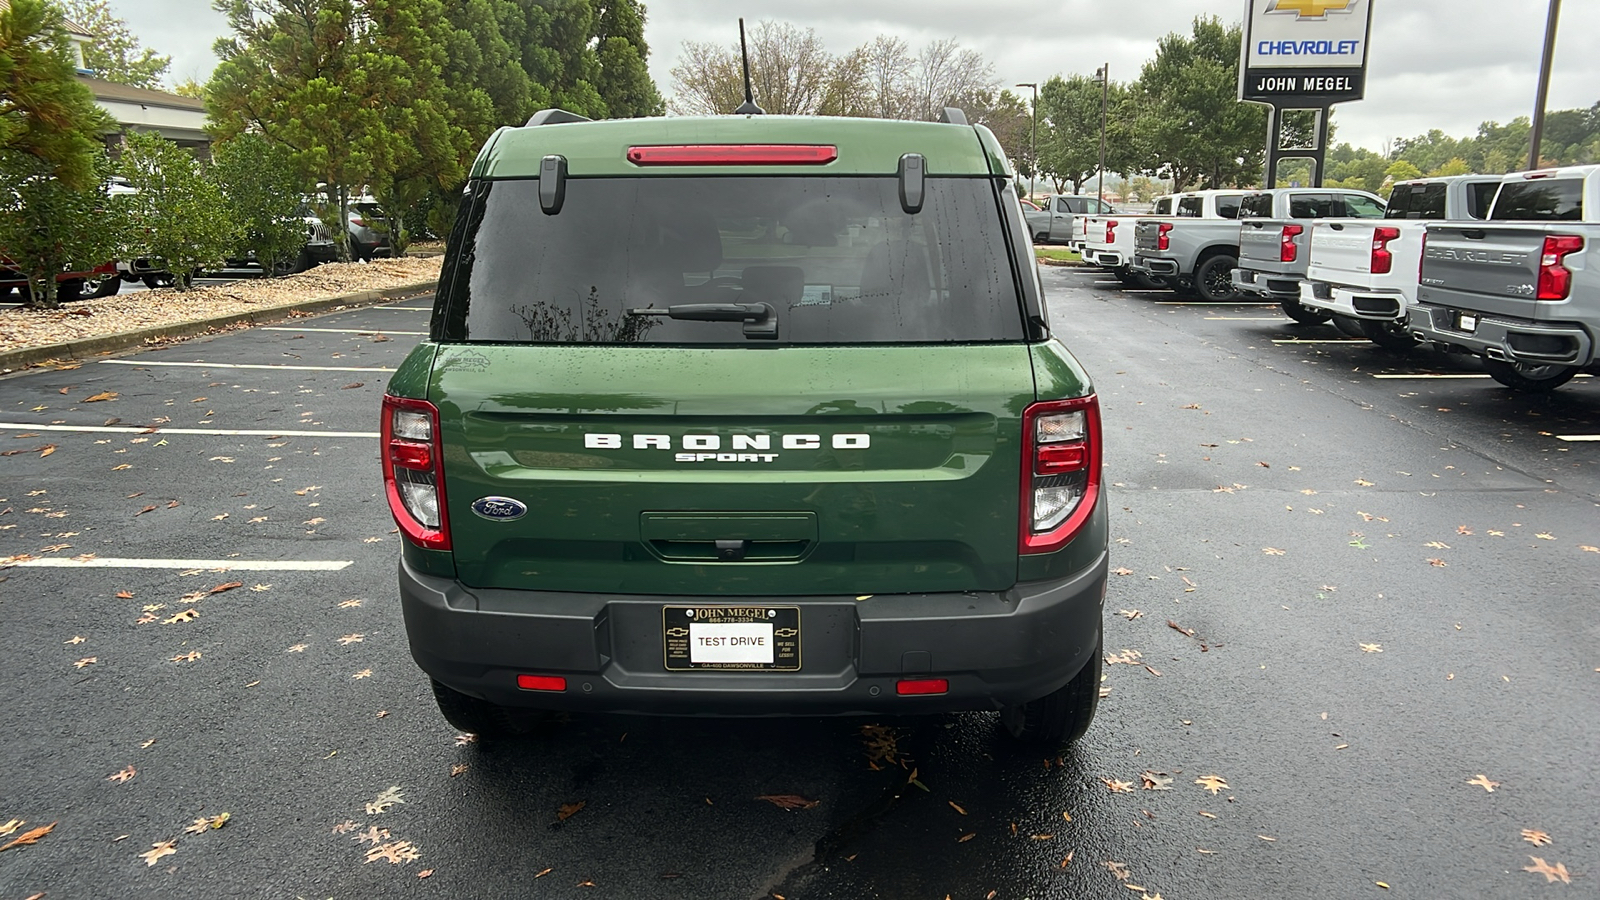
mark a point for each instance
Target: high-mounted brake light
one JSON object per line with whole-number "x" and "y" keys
{"x": 1060, "y": 471}
{"x": 1163, "y": 241}
{"x": 1555, "y": 279}
{"x": 1382, "y": 258}
{"x": 1111, "y": 231}
{"x": 734, "y": 155}
{"x": 1543, "y": 173}
{"x": 1288, "y": 251}
{"x": 413, "y": 471}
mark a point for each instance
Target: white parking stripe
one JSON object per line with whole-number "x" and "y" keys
{"x": 1247, "y": 319}
{"x": 1591, "y": 438}
{"x": 204, "y": 365}
{"x": 156, "y": 429}
{"x": 236, "y": 565}
{"x": 407, "y": 308}
{"x": 1208, "y": 303}
{"x": 1319, "y": 340}
{"x": 1457, "y": 375}
{"x": 344, "y": 330}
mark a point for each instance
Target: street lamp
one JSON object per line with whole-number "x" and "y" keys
{"x": 1033, "y": 152}
{"x": 1104, "y": 74}
{"x": 1544, "y": 84}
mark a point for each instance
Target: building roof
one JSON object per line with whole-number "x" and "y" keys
{"x": 73, "y": 28}
{"x": 126, "y": 93}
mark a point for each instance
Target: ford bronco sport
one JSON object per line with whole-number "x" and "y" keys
{"x": 747, "y": 415}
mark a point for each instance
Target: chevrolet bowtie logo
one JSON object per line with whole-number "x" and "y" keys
{"x": 1310, "y": 9}
{"x": 786, "y": 632}
{"x": 677, "y": 632}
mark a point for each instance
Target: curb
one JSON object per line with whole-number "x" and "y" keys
{"x": 17, "y": 360}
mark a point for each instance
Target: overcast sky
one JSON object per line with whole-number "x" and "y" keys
{"x": 1446, "y": 64}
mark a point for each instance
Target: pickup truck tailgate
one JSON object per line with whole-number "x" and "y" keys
{"x": 1261, "y": 244}
{"x": 1496, "y": 269}
{"x": 1341, "y": 251}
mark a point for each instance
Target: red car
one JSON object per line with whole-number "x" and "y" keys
{"x": 101, "y": 281}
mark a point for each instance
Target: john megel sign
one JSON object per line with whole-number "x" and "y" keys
{"x": 1304, "y": 53}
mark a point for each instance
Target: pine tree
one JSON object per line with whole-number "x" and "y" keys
{"x": 45, "y": 113}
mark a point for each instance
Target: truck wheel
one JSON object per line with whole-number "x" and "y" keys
{"x": 1214, "y": 279}
{"x": 1061, "y": 717}
{"x": 1389, "y": 335}
{"x": 158, "y": 280}
{"x": 1528, "y": 378}
{"x": 108, "y": 286}
{"x": 1150, "y": 282}
{"x": 488, "y": 721}
{"x": 1305, "y": 315}
{"x": 1349, "y": 326}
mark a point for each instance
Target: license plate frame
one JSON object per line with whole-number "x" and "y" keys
{"x": 679, "y": 637}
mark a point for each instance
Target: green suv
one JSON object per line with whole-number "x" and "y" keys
{"x": 747, "y": 415}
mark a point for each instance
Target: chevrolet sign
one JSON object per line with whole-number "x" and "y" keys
{"x": 1304, "y": 53}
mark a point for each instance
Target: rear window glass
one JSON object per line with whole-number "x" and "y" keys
{"x": 1256, "y": 206}
{"x": 1163, "y": 206}
{"x": 1361, "y": 207}
{"x": 1228, "y": 205}
{"x": 836, "y": 259}
{"x": 1311, "y": 206}
{"x": 1191, "y": 207}
{"x": 1480, "y": 197}
{"x": 1417, "y": 201}
{"x": 1545, "y": 199}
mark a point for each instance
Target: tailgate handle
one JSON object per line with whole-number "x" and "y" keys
{"x": 1335, "y": 226}
{"x": 1475, "y": 234}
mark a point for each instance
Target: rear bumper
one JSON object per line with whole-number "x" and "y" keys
{"x": 1503, "y": 337}
{"x": 1381, "y": 306}
{"x": 995, "y": 648}
{"x": 1107, "y": 259}
{"x": 1267, "y": 284}
{"x": 1154, "y": 265}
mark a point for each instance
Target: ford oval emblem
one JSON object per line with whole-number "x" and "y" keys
{"x": 500, "y": 509}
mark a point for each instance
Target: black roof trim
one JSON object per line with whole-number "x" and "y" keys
{"x": 555, "y": 117}
{"x": 953, "y": 116}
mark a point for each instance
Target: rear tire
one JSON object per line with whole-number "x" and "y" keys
{"x": 158, "y": 280}
{"x": 1388, "y": 334}
{"x": 107, "y": 287}
{"x": 489, "y": 721}
{"x": 1529, "y": 379}
{"x": 1348, "y": 326}
{"x": 1151, "y": 282}
{"x": 1214, "y": 279}
{"x": 71, "y": 290}
{"x": 1062, "y": 717}
{"x": 1302, "y": 314}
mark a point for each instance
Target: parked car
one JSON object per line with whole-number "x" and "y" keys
{"x": 1196, "y": 248}
{"x": 1274, "y": 246}
{"x": 1054, "y": 224}
{"x": 82, "y": 284}
{"x": 709, "y": 431}
{"x": 1363, "y": 271}
{"x": 1521, "y": 290}
{"x": 369, "y": 230}
{"x": 1108, "y": 244}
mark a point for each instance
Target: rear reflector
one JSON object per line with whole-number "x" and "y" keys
{"x": 542, "y": 682}
{"x": 734, "y": 155}
{"x": 922, "y": 686}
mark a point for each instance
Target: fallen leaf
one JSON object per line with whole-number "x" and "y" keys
{"x": 208, "y": 823}
{"x": 1129, "y": 614}
{"x": 1155, "y": 781}
{"x": 1208, "y": 815}
{"x": 352, "y": 386}
{"x": 373, "y": 835}
{"x": 221, "y": 588}
{"x": 352, "y": 639}
{"x": 86, "y": 661}
{"x": 567, "y": 810}
{"x": 103, "y": 395}
{"x": 1118, "y": 787}
{"x": 1363, "y": 482}
{"x": 1540, "y": 867}
{"x": 425, "y": 873}
{"x": 1437, "y": 563}
{"x": 1588, "y": 549}
{"x": 1462, "y": 529}
{"x": 386, "y": 799}
{"x": 966, "y": 837}
{"x": 1121, "y": 571}
{"x": 122, "y": 776}
{"x": 544, "y": 873}
{"x": 188, "y": 615}
{"x": 121, "y": 468}
{"x": 1272, "y": 551}
{"x": 11, "y": 826}
{"x": 1186, "y": 632}
{"x": 1437, "y": 545}
{"x": 1212, "y": 783}
{"x": 1484, "y": 782}
{"x": 364, "y": 673}
{"x": 1120, "y": 870}
{"x": 395, "y": 853}
{"x": 156, "y": 851}
{"x": 464, "y": 739}
{"x": 1371, "y": 648}
{"x": 350, "y": 604}
{"x": 957, "y": 807}
{"x": 458, "y": 769}
{"x": 1545, "y": 537}
{"x": 28, "y": 837}
{"x": 191, "y": 656}
{"x": 789, "y": 801}
{"x": 1536, "y": 838}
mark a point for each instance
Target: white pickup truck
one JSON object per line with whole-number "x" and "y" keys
{"x": 1107, "y": 242}
{"x": 1363, "y": 272}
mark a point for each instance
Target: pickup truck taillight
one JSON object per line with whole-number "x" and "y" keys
{"x": 1111, "y": 231}
{"x": 1163, "y": 239}
{"x": 1555, "y": 279}
{"x": 413, "y": 471}
{"x": 1287, "y": 251}
{"x": 1382, "y": 259}
{"x": 1060, "y": 471}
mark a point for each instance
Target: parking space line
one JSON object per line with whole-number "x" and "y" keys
{"x": 345, "y": 330}
{"x": 204, "y": 365}
{"x": 1589, "y": 438}
{"x": 407, "y": 308}
{"x": 1208, "y": 303}
{"x": 1319, "y": 340}
{"x": 1248, "y": 319}
{"x": 1451, "y": 375}
{"x": 157, "y": 429}
{"x": 237, "y": 565}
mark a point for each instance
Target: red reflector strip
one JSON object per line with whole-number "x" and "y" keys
{"x": 411, "y": 456}
{"x": 734, "y": 155}
{"x": 1053, "y": 459}
{"x": 923, "y": 686}
{"x": 542, "y": 682}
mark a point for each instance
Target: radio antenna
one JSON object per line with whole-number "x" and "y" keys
{"x": 748, "y": 107}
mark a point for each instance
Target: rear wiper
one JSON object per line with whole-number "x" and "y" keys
{"x": 760, "y": 319}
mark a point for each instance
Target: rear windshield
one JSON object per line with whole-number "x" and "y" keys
{"x": 1480, "y": 197}
{"x": 1545, "y": 199}
{"x": 1417, "y": 201}
{"x": 836, "y": 259}
{"x": 1228, "y": 205}
{"x": 1256, "y": 206}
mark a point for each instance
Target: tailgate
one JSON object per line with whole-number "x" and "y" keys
{"x": 827, "y": 470}
{"x": 1341, "y": 251}
{"x": 1493, "y": 269}
{"x": 1145, "y": 234}
{"x": 1261, "y": 245}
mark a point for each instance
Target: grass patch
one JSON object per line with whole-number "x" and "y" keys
{"x": 1058, "y": 255}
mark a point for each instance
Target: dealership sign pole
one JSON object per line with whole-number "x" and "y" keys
{"x": 1303, "y": 55}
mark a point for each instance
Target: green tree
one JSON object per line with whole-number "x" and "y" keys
{"x": 1401, "y": 170}
{"x": 115, "y": 54}
{"x": 179, "y": 215}
{"x": 623, "y": 79}
{"x": 1453, "y": 166}
{"x": 49, "y": 226}
{"x": 1069, "y": 130}
{"x": 45, "y": 113}
{"x": 1358, "y": 169}
{"x": 1194, "y": 124}
{"x": 263, "y": 191}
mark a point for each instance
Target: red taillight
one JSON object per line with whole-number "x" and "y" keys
{"x": 1111, "y": 231}
{"x": 1422, "y": 258}
{"x": 1287, "y": 250}
{"x": 913, "y": 686}
{"x": 1382, "y": 259}
{"x": 542, "y": 682}
{"x": 413, "y": 471}
{"x": 734, "y": 155}
{"x": 1163, "y": 241}
{"x": 1555, "y": 279}
{"x": 1060, "y": 471}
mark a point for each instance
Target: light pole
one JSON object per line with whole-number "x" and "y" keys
{"x": 1104, "y": 74}
{"x": 1033, "y": 152}
{"x": 1544, "y": 84}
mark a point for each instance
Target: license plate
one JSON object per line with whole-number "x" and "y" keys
{"x": 1466, "y": 322}
{"x": 763, "y": 638}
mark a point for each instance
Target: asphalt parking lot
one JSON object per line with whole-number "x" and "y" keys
{"x": 1353, "y": 632}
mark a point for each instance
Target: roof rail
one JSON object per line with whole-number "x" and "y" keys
{"x": 555, "y": 117}
{"x": 953, "y": 116}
